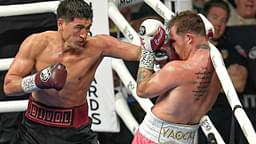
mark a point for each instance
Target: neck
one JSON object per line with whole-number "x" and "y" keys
{"x": 198, "y": 43}
{"x": 203, "y": 46}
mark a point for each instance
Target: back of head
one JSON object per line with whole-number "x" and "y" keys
{"x": 70, "y": 9}
{"x": 188, "y": 21}
{"x": 217, "y": 3}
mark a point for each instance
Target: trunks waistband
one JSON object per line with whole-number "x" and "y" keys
{"x": 57, "y": 117}
{"x": 160, "y": 131}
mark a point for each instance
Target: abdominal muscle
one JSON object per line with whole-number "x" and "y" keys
{"x": 57, "y": 99}
{"x": 81, "y": 70}
{"x": 73, "y": 94}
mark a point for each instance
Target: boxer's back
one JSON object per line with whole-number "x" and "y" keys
{"x": 195, "y": 92}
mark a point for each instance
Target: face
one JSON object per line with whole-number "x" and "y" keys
{"x": 246, "y": 8}
{"x": 177, "y": 42}
{"x": 75, "y": 32}
{"x": 217, "y": 16}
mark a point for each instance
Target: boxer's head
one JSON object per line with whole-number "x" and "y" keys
{"x": 185, "y": 29}
{"x": 74, "y": 22}
{"x": 71, "y": 9}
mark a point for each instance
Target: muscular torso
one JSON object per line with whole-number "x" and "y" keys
{"x": 196, "y": 90}
{"x": 81, "y": 66}
{"x": 81, "y": 59}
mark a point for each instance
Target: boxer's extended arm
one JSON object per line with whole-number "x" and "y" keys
{"x": 112, "y": 47}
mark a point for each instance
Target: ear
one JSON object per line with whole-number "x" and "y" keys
{"x": 188, "y": 38}
{"x": 60, "y": 23}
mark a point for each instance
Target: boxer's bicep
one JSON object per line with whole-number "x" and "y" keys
{"x": 26, "y": 56}
{"x": 21, "y": 66}
{"x": 120, "y": 49}
{"x": 165, "y": 79}
{"x": 158, "y": 83}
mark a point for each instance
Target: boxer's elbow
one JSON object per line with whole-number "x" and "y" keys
{"x": 8, "y": 88}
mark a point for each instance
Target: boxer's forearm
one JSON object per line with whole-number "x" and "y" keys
{"x": 12, "y": 86}
{"x": 143, "y": 77}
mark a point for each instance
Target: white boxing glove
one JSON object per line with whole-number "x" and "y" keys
{"x": 152, "y": 38}
{"x": 152, "y": 34}
{"x": 149, "y": 27}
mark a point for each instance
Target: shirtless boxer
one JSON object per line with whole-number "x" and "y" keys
{"x": 186, "y": 88}
{"x": 57, "y": 67}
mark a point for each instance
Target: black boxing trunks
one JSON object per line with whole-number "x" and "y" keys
{"x": 47, "y": 125}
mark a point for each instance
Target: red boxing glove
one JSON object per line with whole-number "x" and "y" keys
{"x": 53, "y": 76}
{"x": 165, "y": 54}
{"x": 154, "y": 42}
{"x": 161, "y": 58}
{"x": 170, "y": 51}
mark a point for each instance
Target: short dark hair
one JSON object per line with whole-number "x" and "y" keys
{"x": 217, "y": 3}
{"x": 70, "y": 9}
{"x": 188, "y": 21}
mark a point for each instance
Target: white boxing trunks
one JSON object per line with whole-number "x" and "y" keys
{"x": 153, "y": 130}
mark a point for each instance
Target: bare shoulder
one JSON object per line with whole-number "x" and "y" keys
{"x": 179, "y": 71}
{"x": 102, "y": 36}
{"x": 44, "y": 37}
{"x": 40, "y": 39}
{"x": 102, "y": 40}
{"x": 37, "y": 42}
{"x": 176, "y": 66}
{"x": 172, "y": 69}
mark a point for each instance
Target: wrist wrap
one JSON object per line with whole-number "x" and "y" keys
{"x": 28, "y": 84}
{"x": 147, "y": 59}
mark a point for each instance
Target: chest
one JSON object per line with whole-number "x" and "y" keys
{"x": 80, "y": 65}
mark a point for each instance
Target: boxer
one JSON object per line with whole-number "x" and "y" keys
{"x": 57, "y": 68}
{"x": 186, "y": 88}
